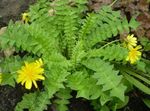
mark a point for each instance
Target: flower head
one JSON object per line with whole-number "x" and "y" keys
{"x": 134, "y": 54}
{"x": 130, "y": 41}
{"x": 25, "y": 17}
{"x": 30, "y": 73}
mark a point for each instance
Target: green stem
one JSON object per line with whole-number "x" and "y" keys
{"x": 113, "y": 3}
{"x": 109, "y": 43}
{"x": 14, "y": 72}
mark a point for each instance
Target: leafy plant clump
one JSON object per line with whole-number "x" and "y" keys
{"x": 60, "y": 47}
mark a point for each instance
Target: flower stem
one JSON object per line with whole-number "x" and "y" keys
{"x": 113, "y": 3}
{"x": 109, "y": 43}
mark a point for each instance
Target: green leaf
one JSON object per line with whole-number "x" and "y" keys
{"x": 27, "y": 101}
{"x": 81, "y": 1}
{"x": 8, "y": 79}
{"x": 11, "y": 64}
{"x": 37, "y": 101}
{"x": 78, "y": 53}
{"x": 104, "y": 108}
{"x": 141, "y": 66}
{"x": 133, "y": 23}
{"x": 121, "y": 104}
{"x": 146, "y": 43}
{"x": 104, "y": 98}
{"x": 54, "y": 79}
{"x": 147, "y": 102}
{"x": 147, "y": 62}
{"x": 108, "y": 79}
{"x": 56, "y": 72}
{"x": 137, "y": 83}
{"x": 41, "y": 101}
{"x": 84, "y": 85}
{"x": 141, "y": 77}
{"x": 108, "y": 53}
{"x": 62, "y": 100}
{"x": 119, "y": 92}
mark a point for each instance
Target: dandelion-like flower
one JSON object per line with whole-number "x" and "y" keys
{"x": 25, "y": 17}
{"x": 134, "y": 54}
{"x": 130, "y": 41}
{"x": 30, "y": 73}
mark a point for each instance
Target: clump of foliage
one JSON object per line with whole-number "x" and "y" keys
{"x": 67, "y": 48}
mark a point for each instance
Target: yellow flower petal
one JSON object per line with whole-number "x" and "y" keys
{"x": 25, "y": 17}
{"x": 41, "y": 77}
{"x": 22, "y": 82}
{"x": 30, "y": 73}
{"x": 130, "y": 41}
{"x": 138, "y": 47}
{"x": 39, "y": 62}
{"x": 35, "y": 84}
{"x": 134, "y": 54}
{"x": 28, "y": 84}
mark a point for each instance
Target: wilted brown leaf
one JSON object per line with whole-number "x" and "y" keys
{"x": 140, "y": 32}
{"x": 144, "y": 19}
{"x": 148, "y": 34}
{"x": 143, "y": 5}
{"x": 2, "y": 30}
{"x": 103, "y": 1}
{"x": 96, "y": 4}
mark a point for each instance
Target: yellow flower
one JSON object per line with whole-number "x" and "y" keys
{"x": 0, "y": 78}
{"x": 130, "y": 41}
{"x": 30, "y": 73}
{"x": 25, "y": 17}
{"x": 134, "y": 54}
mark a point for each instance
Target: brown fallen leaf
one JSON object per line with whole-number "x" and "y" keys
{"x": 103, "y": 1}
{"x": 96, "y": 4}
{"x": 140, "y": 32}
{"x": 2, "y": 30}
{"x": 144, "y": 19}
{"x": 9, "y": 51}
{"x": 148, "y": 34}
{"x": 143, "y": 5}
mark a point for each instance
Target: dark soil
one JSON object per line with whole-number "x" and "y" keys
{"x": 12, "y": 9}
{"x": 80, "y": 105}
{"x": 135, "y": 102}
{"x": 9, "y": 97}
